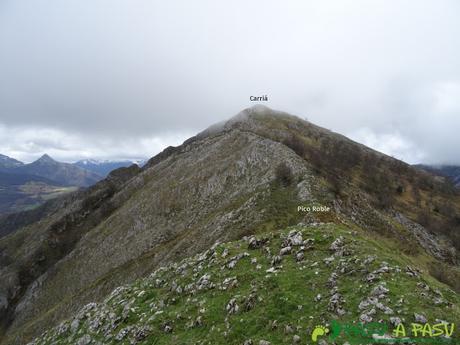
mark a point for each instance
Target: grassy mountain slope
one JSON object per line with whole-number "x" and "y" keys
{"x": 234, "y": 293}
{"x": 245, "y": 176}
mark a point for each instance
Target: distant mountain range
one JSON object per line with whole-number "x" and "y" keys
{"x": 104, "y": 167}
{"x": 25, "y": 186}
{"x": 62, "y": 173}
{"x": 8, "y": 163}
{"x": 452, "y": 172}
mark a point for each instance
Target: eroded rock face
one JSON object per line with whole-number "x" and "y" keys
{"x": 425, "y": 239}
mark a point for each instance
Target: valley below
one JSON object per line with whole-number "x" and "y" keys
{"x": 29, "y": 196}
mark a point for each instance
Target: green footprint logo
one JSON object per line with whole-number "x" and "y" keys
{"x": 318, "y": 331}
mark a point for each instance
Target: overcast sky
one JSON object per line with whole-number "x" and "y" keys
{"x": 125, "y": 78}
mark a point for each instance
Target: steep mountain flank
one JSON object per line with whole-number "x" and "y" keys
{"x": 9, "y": 223}
{"x": 247, "y": 175}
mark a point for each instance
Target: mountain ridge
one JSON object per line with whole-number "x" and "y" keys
{"x": 8, "y": 162}
{"x": 247, "y": 176}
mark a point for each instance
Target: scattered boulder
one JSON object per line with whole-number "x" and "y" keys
{"x": 74, "y": 325}
{"x": 423, "y": 286}
{"x": 411, "y": 272}
{"x": 276, "y": 260}
{"x": 328, "y": 260}
{"x": 122, "y": 333}
{"x": 288, "y": 329}
{"x": 250, "y": 301}
{"x": 271, "y": 270}
{"x": 285, "y": 251}
{"x": 420, "y": 318}
{"x": 254, "y": 243}
{"x": 379, "y": 291}
{"x": 335, "y": 304}
{"x": 383, "y": 269}
{"x": 387, "y": 310}
{"x": 294, "y": 239}
{"x": 273, "y": 324}
{"x": 85, "y": 340}
{"x": 63, "y": 328}
{"x": 141, "y": 333}
{"x": 337, "y": 244}
{"x": 364, "y": 304}
{"x": 232, "y": 307}
{"x": 366, "y": 317}
{"x": 198, "y": 321}
{"x": 299, "y": 256}
{"x": 370, "y": 278}
{"x": 234, "y": 260}
{"x": 229, "y": 283}
{"x": 395, "y": 321}
{"x": 332, "y": 281}
{"x": 369, "y": 259}
{"x": 204, "y": 282}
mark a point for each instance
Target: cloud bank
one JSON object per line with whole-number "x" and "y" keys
{"x": 114, "y": 78}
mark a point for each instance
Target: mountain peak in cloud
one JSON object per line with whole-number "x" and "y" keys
{"x": 45, "y": 159}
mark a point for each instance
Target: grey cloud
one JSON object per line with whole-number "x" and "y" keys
{"x": 135, "y": 72}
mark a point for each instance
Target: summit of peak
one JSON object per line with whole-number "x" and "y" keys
{"x": 257, "y": 108}
{"x": 256, "y": 116}
{"x": 45, "y": 159}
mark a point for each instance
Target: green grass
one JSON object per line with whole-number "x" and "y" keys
{"x": 287, "y": 296}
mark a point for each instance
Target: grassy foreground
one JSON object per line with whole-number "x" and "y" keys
{"x": 273, "y": 289}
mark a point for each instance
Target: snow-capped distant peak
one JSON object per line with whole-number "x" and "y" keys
{"x": 103, "y": 167}
{"x": 92, "y": 161}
